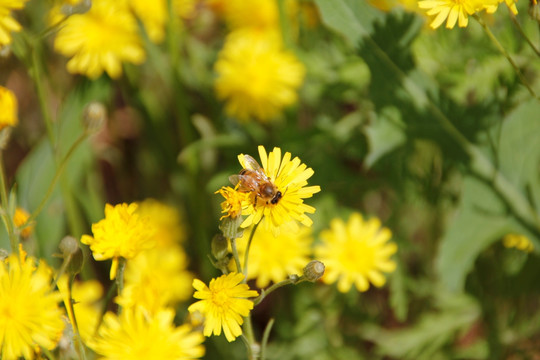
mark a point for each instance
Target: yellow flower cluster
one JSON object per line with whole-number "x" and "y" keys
{"x": 7, "y": 23}
{"x": 520, "y": 242}
{"x": 8, "y": 104}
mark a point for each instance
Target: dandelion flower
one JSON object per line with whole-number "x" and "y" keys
{"x": 258, "y": 14}
{"x": 86, "y": 304}
{"x": 290, "y": 178}
{"x": 234, "y": 202}
{"x": 100, "y": 40}
{"x": 491, "y": 8}
{"x": 153, "y": 15}
{"x": 157, "y": 278}
{"x": 7, "y": 23}
{"x": 223, "y": 304}
{"x": 135, "y": 334}
{"x": 453, "y": 10}
{"x": 274, "y": 258}
{"x": 19, "y": 219}
{"x": 123, "y": 233}
{"x": 29, "y": 312}
{"x": 520, "y": 242}
{"x": 255, "y": 76}
{"x": 8, "y": 104}
{"x": 356, "y": 253}
{"x": 167, "y": 221}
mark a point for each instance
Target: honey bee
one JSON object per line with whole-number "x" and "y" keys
{"x": 253, "y": 179}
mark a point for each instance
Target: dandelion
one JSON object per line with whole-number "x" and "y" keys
{"x": 491, "y": 8}
{"x": 86, "y": 297}
{"x": 167, "y": 221}
{"x": 7, "y": 23}
{"x": 520, "y": 242}
{"x": 290, "y": 178}
{"x": 223, "y": 304}
{"x": 29, "y": 312}
{"x": 454, "y": 10}
{"x": 123, "y": 233}
{"x": 234, "y": 202}
{"x": 257, "y": 14}
{"x": 273, "y": 258}
{"x": 356, "y": 253}
{"x": 20, "y": 218}
{"x": 8, "y": 104}
{"x": 100, "y": 40}
{"x": 135, "y": 334}
{"x": 156, "y": 279}
{"x": 273, "y": 75}
{"x": 153, "y": 15}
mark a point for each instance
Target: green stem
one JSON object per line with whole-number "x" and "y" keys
{"x": 120, "y": 275}
{"x": 248, "y": 347}
{"x": 293, "y": 279}
{"x": 235, "y": 255}
{"x": 59, "y": 170}
{"x": 78, "y": 340}
{"x": 248, "y": 246}
{"x": 6, "y": 216}
{"x": 265, "y": 337}
{"x": 503, "y": 51}
{"x": 520, "y": 29}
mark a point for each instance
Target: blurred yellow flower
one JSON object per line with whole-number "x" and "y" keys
{"x": 166, "y": 220}
{"x": 135, "y": 335}
{"x": 8, "y": 104}
{"x": 123, "y": 233}
{"x": 454, "y": 10}
{"x": 223, "y": 304}
{"x": 259, "y": 14}
{"x": 86, "y": 297}
{"x": 255, "y": 76}
{"x": 520, "y": 242}
{"x": 157, "y": 278}
{"x": 491, "y": 8}
{"x": 274, "y": 258}
{"x": 153, "y": 15}
{"x": 7, "y": 23}
{"x": 30, "y": 316}
{"x": 20, "y": 218}
{"x": 100, "y": 40}
{"x": 290, "y": 178}
{"x": 356, "y": 253}
{"x": 184, "y": 8}
{"x": 234, "y": 202}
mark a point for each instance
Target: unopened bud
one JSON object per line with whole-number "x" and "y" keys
{"x": 220, "y": 247}
{"x": 314, "y": 270}
{"x": 5, "y": 51}
{"x": 81, "y": 7}
{"x": 72, "y": 253}
{"x": 94, "y": 117}
{"x": 534, "y": 10}
{"x": 5, "y": 135}
{"x": 231, "y": 227}
{"x": 3, "y": 254}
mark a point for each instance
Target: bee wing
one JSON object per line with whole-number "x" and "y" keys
{"x": 234, "y": 179}
{"x": 251, "y": 163}
{"x": 245, "y": 183}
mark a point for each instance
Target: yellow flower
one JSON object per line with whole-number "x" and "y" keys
{"x": 100, "y": 40}
{"x": 153, "y": 15}
{"x": 272, "y": 259}
{"x": 30, "y": 316}
{"x": 167, "y": 221}
{"x": 224, "y": 304}
{"x": 290, "y": 178}
{"x": 356, "y": 253}
{"x": 453, "y": 10}
{"x": 20, "y": 218}
{"x": 8, "y": 104}
{"x": 255, "y": 76}
{"x": 135, "y": 334}
{"x": 520, "y": 242}
{"x": 234, "y": 202}
{"x": 157, "y": 278}
{"x": 260, "y": 14}
{"x": 86, "y": 296}
{"x": 491, "y": 8}
{"x": 123, "y": 233}
{"x": 7, "y": 23}
{"x": 184, "y": 8}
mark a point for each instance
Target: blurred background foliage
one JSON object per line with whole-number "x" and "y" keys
{"x": 430, "y": 131}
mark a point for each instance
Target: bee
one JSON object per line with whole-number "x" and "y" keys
{"x": 253, "y": 179}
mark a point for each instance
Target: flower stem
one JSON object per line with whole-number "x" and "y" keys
{"x": 503, "y": 51}
{"x": 520, "y": 29}
{"x": 248, "y": 246}
{"x": 293, "y": 279}
{"x": 71, "y": 314}
{"x": 120, "y": 275}
{"x": 6, "y": 216}
{"x": 265, "y": 337}
{"x": 235, "y": 255}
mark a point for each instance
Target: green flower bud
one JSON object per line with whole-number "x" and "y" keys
{"x": 314, "y": 270}
{"x": 220, "y": 247}
{"x": 231, "y": 227}
{"x": 72, "y": 254}
{"x": 94, "y": 117}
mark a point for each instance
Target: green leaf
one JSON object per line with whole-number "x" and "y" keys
{"x": 351, "y": 18}
{"x": 384, "y": 134}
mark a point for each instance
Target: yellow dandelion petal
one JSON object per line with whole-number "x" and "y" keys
{"x": 167, "y": 221}
{"x": 8, "y": 104}
{"x": 356, "y": 253}
{"x": 100, "y": 39}
{"x": 20, "y": 218}
{"x": 274, "y": 75}
{"x": 123, "y": 233}
{"x": 136, "y": 334}
{"x": 8, "y": 24}
{"x": 30, "y": 316}
{"x": 234, "y": 202}
{"x": 223, "y": 303}
{"x": 518, "y": 241}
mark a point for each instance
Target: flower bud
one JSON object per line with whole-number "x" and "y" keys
{"x": 72, "y": 254}
{"x": 94, "y": 117}
{"x": 231, "y": 227}
{"x": 314, "y": 270}
{"x": 81, "y": 7}
{"x": 220, "y": 247}
{"x": 3, "y": 254}
{"x": 534, "y": 10}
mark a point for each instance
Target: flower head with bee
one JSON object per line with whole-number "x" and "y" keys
{"x": 277, "y": 189}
